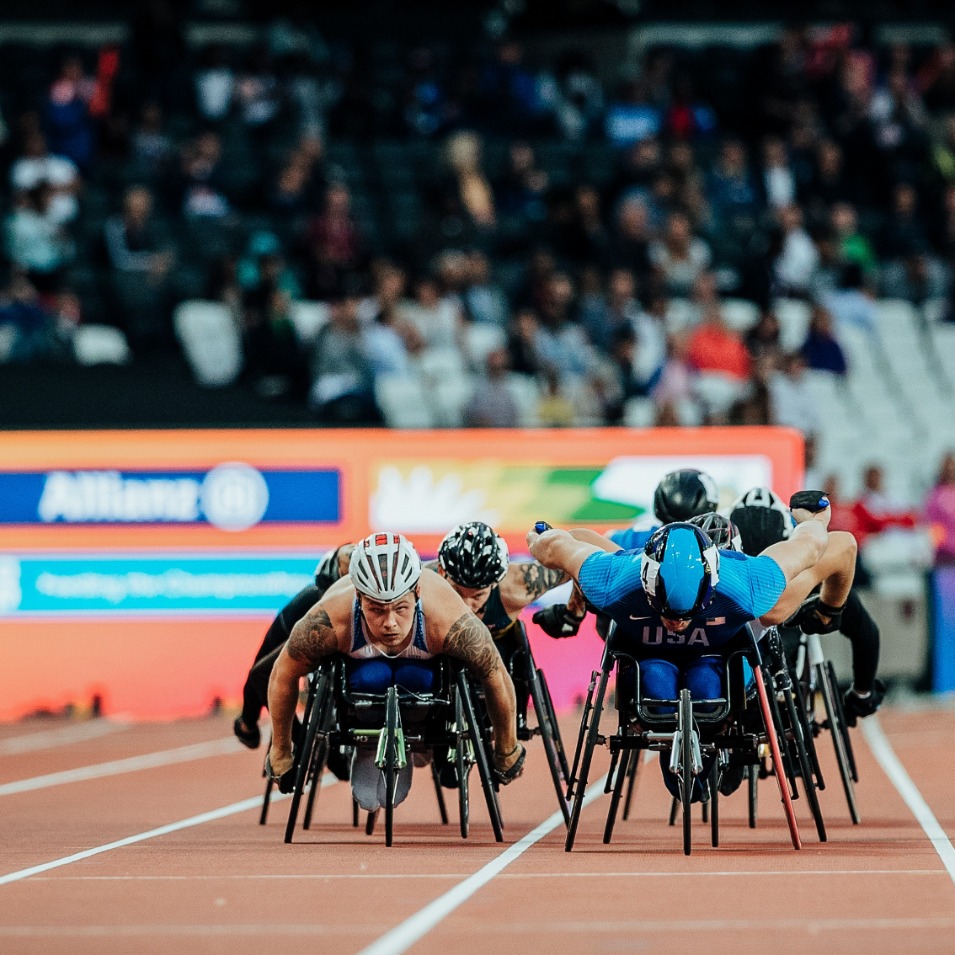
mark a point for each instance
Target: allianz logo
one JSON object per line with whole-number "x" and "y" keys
{"x": 232, "y": 496}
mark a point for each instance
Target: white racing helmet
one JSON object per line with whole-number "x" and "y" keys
{"x": 384, "y": 567}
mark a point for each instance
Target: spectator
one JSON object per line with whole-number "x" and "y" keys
{"x": 66, "y": 113}
{"x": 940, "y": 510}
{"x": 918, "y": 277}
{"x": 763, "y": 338}
{"x": 936, "y": 79}
{"x": 273, "y": 357}
{"x": 563, "y": 344}
{"x": 215, "y": 84}
{"x": 28, "y": 332}
{"x": 151, "y": 144}
{"x": 583, "y": 237}
{"x": 492, "y": 405}
{"x": 631, "y": 244}
{"x": 903, "y": 228}
{"x": 853, "y": 246}
{"x": 522, "y": 189}
{"x": 828, "y": 184}
{"x": 483, "y": 300}
{"x": 333, "y": 245}
{"x": 524, "y": 344}
{"x": 679, "y": 255}
{"x": 508, "y": 97}
{"x": 263, "y": 263}
{"x": 38, "y": 165}
{"x": 731, "y": 191}
{"x": 777, "y": 177}
{"x": 755, "y": 406}
{"x": 390, "y": 338}
{"x": 555, "y": 409}
{"x": 821, "y": 350}
{"x": 203, "y": 195}
{"x": 342, "y": 390}
{"x": 874, "y": 511}
{"x": 258, "y": 94}
{"x": 797, "y": 260}
{"x": 36, "y": 240}
{"x": 852, "y": 303}
{"x": 794, "y": 403}
{"x": 140, "y": 259}
{"x": 577, "y": 100}
{"x": 675, "y": 384}
{"x": 435, "y": 318}
{"x": 469, "y": 186}
{"x": 628, "y": 382}
{"x": 715, "y": 347}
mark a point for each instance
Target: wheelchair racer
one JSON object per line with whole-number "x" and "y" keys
{"x": 390, "y": 616}
{"x": 680, "y": 600}
{"x": 475, "y": 562}
{"x": 762, "y": 520}
{"x": 680, "y": 495}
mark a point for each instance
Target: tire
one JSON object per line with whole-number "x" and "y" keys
{"x": 319, "y": 689}
{"x": 391, "y": 762}
{"x": 555, "y": 726}
{"x": 801, "y": 751}
{"x": 842, "y": 720}
{"x": 588, "y": 738}
{"x": 685, "y": 725}
{"x": 462, "y": 766}
{"x": 546, "y": 728}
{"x": 838, "y": 732}
{"x": 481, "y": 748}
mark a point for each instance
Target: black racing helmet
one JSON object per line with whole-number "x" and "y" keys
{"x": 762, "y": 519}
{"x": 684, "y": 494}
{"x": 472, "y": 555}
{"x": 721, "y": 530}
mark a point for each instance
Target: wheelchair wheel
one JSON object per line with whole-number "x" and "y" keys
{"x": 631, "y": 783}
{"x": 481, "y": 751}
{"x": 555, "y": 726}
{"x": 685, "y": 739}
{"x": 587, "y": 741}
{"x": 620, "y": 777}
{"x": 547, "y": 724}
{"x": 839, "y": 733}
{"x": 752, "y": 785}
{"x": 714, "y": 804}
{"x": 796, "y": 716}
{"x": 834, "y": 683}
{"x": 390, "y": 769}
{"x": 317, "y": 703}
{"x": 319, "y": 759}
{"x": 462, "y": 766}
{"x": 439, "y": 794}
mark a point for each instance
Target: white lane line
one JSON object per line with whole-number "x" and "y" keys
{"x": 62, "y": 736}
{"x": 330, "y": 877}
{"x": 658, "y": 927}
{"x": 132, "y": 764}
{"x": 893, "y": 768}
{"x": 253, "y": 802}
{"x": 403, "y": 936}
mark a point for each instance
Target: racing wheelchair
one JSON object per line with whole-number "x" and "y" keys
{"x": 445, "y": 722}
{"x": 731, "y": 730}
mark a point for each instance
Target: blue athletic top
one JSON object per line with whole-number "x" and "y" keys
{"x": 748, "y": 587}
{"x": 633, "y": 538}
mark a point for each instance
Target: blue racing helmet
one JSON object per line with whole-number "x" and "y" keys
{"x": 680, "y": 570}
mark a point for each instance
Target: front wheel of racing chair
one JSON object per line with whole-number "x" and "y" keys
{"x": 525, "y": 672}
{"x": 816, "y": 678}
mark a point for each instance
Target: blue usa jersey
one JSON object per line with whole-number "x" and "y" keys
{"x": 748, "y": 588}
{"x": 633, "y": 538}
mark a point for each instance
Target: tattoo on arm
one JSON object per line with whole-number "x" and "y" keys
{"x": 313, "y": 637}
{"x": 538, "y": 578}
{"x": 469, "y": 640}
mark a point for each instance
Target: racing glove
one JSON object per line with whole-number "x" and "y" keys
{"x": 808, "y": 617}
{"x": 856, "y": 706}
{"x": 505, "y": 777}
{"x": 557, "y": 621}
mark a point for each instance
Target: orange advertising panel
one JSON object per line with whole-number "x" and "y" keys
{"x": 145, "y": 566}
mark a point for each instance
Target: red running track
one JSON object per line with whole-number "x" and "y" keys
{"x": 194, "y": 873}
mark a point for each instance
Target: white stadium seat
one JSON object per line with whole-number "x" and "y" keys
{"x": 210, "y": 341}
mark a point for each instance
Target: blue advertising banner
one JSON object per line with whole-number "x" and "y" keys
{"x": 231, "y": 496}
{"x": 943, "y": 629}
{"x": 109, "y": 584}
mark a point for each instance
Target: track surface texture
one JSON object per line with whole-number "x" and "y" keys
{"x": 144, "y": 838}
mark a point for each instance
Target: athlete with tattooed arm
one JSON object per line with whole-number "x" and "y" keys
{"x": 390, "y": 616}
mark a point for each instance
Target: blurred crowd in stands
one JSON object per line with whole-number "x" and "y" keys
{"x": 548, "y": 239}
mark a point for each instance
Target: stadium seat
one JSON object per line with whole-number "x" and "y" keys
{"x": 739, "y": 313}
{"x": 404, "y": 401}
{"x": 210, "y": 341}
{"x": 639, "y": 413}
{"x": 526, "y": 393}
{"x": 309, "y": 319}
{"x": 793, "y": 315}
{"x": 480, "y": 339}
{"x": 450, "y": 396}
{"x": 100, "y": 345}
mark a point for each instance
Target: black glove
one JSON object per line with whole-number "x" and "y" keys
{"x": 506, "y": 776}
{"x": 557, "y": 621}
{"x": 814, "y": 501}
{"x": 807, "y": 618}
{"x": 856, "y": 706}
